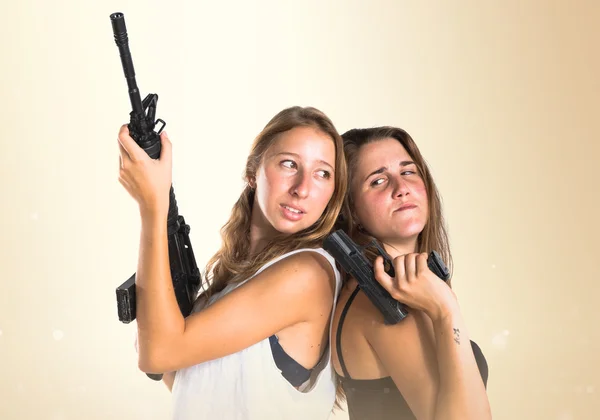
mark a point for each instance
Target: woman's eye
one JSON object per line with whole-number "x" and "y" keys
{"x": 408, "y": 173}
{"x": 325, "y": 174}
{"x": 289, "y": 164}
{"x": 376, "y": 182}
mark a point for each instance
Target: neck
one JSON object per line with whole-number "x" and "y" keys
{"x": 258, "y": 240}
{"x": 261, "y": 232}
{"x": 396, "y": 246}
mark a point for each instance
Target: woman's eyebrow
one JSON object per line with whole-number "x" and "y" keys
{"x": 297, "y": 156}
{"x": 376, "y": 171}
{"x": 384, "y": 168}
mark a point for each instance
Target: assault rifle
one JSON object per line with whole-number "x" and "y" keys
{"x": 352, "y": 259}
{"x": 184, "y": 271}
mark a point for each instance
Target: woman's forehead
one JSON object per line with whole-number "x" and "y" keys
{"x": 381, "y": 152}
{"x": 306, "y": 142}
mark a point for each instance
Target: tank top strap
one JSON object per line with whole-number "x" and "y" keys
{"x": 338, "y": 339}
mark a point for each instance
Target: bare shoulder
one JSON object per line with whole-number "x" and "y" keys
{"x": 303, "y": 272}
{"x": 359, "y": 315}
{"x": 413, "y": 332}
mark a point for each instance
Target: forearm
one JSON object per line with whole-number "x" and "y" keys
{"x": 158, "y": 317}
{"x": 461, "y": 393}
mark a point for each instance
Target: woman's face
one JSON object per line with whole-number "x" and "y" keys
{"x": 390, "y": 199}
{"x": 295, "y": 181}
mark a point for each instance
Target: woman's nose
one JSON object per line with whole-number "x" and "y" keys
{"x": 400, "y": 187}
{"x": 301, "y": 186}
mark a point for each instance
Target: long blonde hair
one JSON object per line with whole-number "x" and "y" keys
{"x": 433, "y": 236}
{"x": 232, "y": 262}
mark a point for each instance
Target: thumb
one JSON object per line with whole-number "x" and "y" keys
{"x": 166, "y": 147}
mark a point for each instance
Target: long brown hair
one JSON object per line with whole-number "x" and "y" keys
{"x": 433, "y": 236}
{"x": 232, "y": 262}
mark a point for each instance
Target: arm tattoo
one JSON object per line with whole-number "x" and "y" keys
{"x": 456, "y": 335}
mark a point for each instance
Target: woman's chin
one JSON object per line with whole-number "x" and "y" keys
{"x": 405, "y": 232}
{"x": 288, "y": 228}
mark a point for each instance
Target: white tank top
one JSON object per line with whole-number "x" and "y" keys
{"x": 247, "y": 385}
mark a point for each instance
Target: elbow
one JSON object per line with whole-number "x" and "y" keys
{"x": 157, "y": 354}
{"x": 152, "y": 365}
{"x": 148, "y": 365}
{"x": 153, "y": 361}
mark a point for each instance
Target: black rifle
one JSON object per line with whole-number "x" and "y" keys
{"x": 184, "y": 271}
{"x": 352, "y": 259}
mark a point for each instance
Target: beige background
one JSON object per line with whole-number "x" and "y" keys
{"x": 502, "y": 97}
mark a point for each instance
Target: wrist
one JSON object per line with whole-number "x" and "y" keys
{"x": 153, "y": 216}
{"x": 154, "y": 207}
{"x": 443, "y": 312}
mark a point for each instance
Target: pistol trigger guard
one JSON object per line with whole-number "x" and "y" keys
{"x": 161, "y": 128}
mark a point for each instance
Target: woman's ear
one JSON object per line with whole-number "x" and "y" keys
{"x": 252, "y": 182}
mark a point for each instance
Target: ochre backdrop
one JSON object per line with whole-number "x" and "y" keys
{"x": 502, "y": 98}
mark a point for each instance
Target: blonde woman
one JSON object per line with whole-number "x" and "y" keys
{"x": 256, "y": 345}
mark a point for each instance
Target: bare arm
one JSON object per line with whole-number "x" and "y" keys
{"x": 290, "y": 291}
{"x": 461, "y": 389}
{"x": 168, "y": 377}
{"x": 294, "y": 290}
{"x": 429, "y": 354}
{"x": 407, "y": 351}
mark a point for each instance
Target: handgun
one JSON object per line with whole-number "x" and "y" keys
{"x": 352, "y": 259}
{"x": 142, "y": 128}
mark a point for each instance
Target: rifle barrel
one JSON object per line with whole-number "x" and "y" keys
{"x": 122, "y": 41}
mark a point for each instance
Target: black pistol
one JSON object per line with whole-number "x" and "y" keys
{"x": 184, "y": 271}
{"x": 353, "y": 261}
